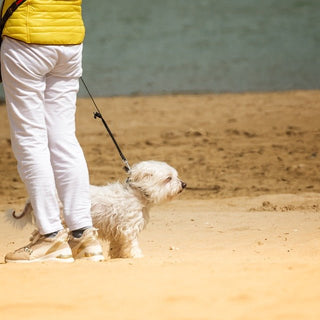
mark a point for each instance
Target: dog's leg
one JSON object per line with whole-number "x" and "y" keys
{"x": 115, "y": 249}
{"x": 133, "y": 249}
{"x": 125, "y": 249}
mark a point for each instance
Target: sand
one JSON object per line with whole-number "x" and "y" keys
{"x": 242, "y": 242}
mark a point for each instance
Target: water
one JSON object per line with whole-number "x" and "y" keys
{"x": 165, "y": 46}
{"x": 194, "y": 46}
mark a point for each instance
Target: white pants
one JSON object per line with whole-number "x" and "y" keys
{"x": 41, "y": 84}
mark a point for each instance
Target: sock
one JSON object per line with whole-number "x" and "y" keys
{"x": 79, "y": 232}
{"x": 52, "y": 234}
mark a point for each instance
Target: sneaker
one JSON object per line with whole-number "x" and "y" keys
{"x": 87, "y": 246}
{"x": 43, "y": 248}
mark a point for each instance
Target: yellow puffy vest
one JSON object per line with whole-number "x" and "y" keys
{"x": 57, "y": 22}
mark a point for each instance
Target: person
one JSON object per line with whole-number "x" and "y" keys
{"x": 41, "y": 63}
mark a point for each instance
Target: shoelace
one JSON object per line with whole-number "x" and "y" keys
{"x": 35, "y": 236}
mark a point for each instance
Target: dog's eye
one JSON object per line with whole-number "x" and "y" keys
{"x": 168, "y": 179}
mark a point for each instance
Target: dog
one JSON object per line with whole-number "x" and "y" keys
{"x": 120, "y": 211}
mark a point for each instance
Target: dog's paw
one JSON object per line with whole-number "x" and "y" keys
{"x": 137, "y": 255}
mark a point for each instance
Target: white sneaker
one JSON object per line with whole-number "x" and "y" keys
{"x": 43, "y": 248}
{"x": 87, "y": 246}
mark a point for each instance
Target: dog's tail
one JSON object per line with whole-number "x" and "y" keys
{"x": 21, "y": 219}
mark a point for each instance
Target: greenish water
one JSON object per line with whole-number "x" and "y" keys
{"x": 173, "y": 46}
{"x": 164, "y": 46}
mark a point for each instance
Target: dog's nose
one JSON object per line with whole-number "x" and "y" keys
{"x": 183, "y": 184}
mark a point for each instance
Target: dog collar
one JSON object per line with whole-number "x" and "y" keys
{"x": 145, "y": 194}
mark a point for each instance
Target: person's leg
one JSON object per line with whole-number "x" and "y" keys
{"x": 67, "y": 158}
{"x": 23, "y": 69}
{"x": 68, "y": 162}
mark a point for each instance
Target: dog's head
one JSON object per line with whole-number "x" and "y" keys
{"x": 157, "y": 181}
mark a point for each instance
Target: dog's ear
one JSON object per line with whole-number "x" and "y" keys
{"x": 139, "y": 176}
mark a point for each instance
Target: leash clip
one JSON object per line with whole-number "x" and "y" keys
{"x": 97, "y": 115}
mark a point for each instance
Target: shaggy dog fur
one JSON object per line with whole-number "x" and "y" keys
{"x": 120, "y": 211}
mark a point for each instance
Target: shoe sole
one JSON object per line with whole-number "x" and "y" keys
{"x": 94, "y": 258}
{"x": 58, "y": 256}
{"x": 90, "y": 253}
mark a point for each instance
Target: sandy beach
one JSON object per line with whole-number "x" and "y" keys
{"x": 242, "y": 242}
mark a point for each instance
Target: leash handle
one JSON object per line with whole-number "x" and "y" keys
{"x": 99, "y": 115}
{"x": 123, "y": 158}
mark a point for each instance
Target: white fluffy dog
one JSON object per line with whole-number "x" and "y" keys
{"x": 120, "y": 211}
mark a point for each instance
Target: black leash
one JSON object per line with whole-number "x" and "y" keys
{"x": 99, "y": 115}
